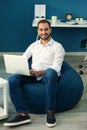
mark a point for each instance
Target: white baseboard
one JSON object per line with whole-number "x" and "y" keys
{"x": 67, "y": 53}
{"x": 75, "y": 53}
{"x": 19, "y": 53}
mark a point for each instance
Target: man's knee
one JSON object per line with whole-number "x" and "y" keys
{"x": 51, "y": 73}
{"x": 12, "y": 78}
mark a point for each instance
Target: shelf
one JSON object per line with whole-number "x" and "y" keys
{"x": 64, "y": 24}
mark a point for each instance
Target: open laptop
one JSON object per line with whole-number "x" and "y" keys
{"x": 16, "y": 64}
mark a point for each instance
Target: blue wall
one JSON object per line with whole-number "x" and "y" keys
{"x": 16, "y": 31}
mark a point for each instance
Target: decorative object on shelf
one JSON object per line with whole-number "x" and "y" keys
{"x": 68, "y": 16}
{"x": 77, "y": 19}
{"x": 39, "y": 12}
{"x": 54, "y": 19}
{"x": 81, "y": 19}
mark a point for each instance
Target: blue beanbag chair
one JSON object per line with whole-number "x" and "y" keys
{"x": 69, "y": 92}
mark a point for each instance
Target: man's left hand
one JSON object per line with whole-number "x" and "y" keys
{"x": 37, "y": 73}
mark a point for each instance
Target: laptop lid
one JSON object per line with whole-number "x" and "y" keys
{"x": 16, "y": 64}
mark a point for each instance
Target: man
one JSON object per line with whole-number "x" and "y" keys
{"x": 47, "y": 58}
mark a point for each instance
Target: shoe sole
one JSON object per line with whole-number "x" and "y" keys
{"x": 51, "y": 125}
{"x": 17, "y": 123}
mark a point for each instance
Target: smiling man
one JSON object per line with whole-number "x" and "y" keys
{"x": 47, "y": 58}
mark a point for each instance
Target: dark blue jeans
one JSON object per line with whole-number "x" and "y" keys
{"x": 15, "y": 88}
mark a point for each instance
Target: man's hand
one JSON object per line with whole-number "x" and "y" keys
{"x": 37, "y": 73}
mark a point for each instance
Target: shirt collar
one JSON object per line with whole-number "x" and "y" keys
{"x": 49, "y": 43}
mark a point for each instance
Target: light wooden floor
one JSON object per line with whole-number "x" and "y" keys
{"x": 74, "y": 119}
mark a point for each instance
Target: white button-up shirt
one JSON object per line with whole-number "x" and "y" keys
{"x": 50, "y": 55}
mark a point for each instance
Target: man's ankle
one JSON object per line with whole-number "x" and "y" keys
{"x": 50, "y": 112}
{"x": 23, "y": 114}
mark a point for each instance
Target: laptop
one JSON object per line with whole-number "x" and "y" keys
{"x": 16, "y": 64}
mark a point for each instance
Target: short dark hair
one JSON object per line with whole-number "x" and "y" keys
{"x": 44, "y": 21}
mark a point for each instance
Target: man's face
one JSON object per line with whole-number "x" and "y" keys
{"x": 44, "y": 31}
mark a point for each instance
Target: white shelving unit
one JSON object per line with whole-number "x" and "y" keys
{"x": 4, "y": 110}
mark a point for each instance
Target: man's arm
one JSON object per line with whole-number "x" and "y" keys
{"x": 58, "y": 59}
